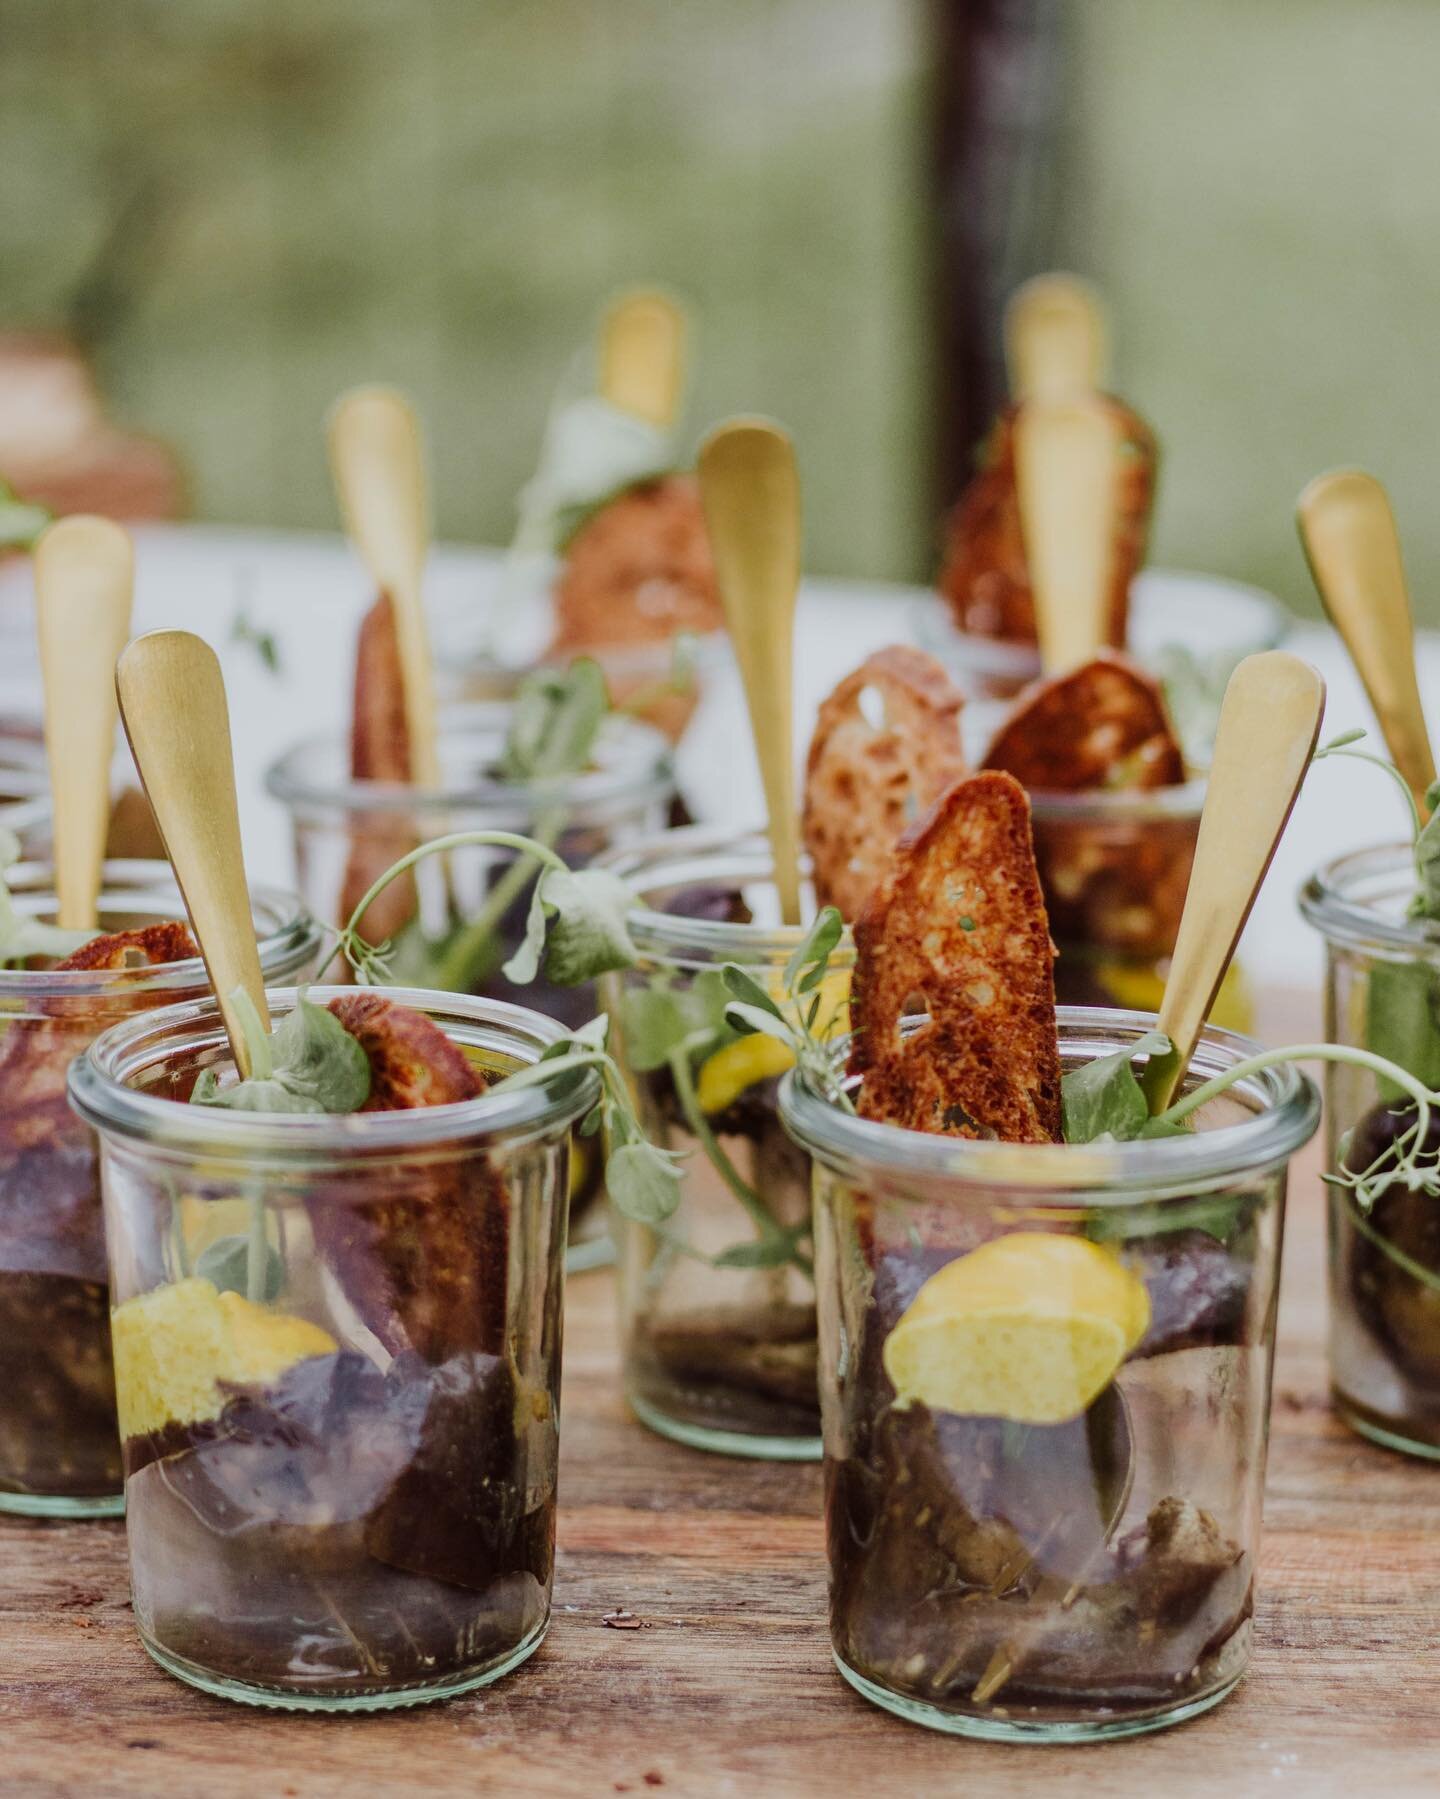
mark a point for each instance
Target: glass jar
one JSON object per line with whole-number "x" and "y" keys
{"x": 59, "y": 1453}
{"x": 717, "y": 1309}
{"x": 452, "y": 928}
{"x": 337, "y": 1351}
{"x": 1382, "y": 994}
{"x": 1187, "y": 628}
{"x": 24, "y": 786}
{"x": 1001, "y": 1565}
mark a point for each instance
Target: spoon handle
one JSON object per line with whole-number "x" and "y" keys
{"x": 1055, "y": 338}
{"x": 1349, "y": 535}
{"x": 84, "y": 582}
{"x": 642, "y": 355}
{"x": 172, "y": 699}
{"x": 1269, "y": 723}
{"x": 1067, "y": 461}
{"x": 751, "y": 494}
{"x": 377, "y": 458}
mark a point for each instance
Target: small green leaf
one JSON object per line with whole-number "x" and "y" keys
{"x": 579, "y": 919}
{"x": 806, "y": 967}
{"x": 524, "y": 965}
{"x": 555, "y": 718}
{"x": 311, "y": 1064}
{"x": 1103, "y": 1099}
{"x": 643, "y": 1182}
{"x": 748, "y": 991}
{"x": 769, "y": 1024}
{"x": 20, "y": 521}
{"x": 226, "y": 1265}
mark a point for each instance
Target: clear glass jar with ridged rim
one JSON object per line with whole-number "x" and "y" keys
{"x": 337, "y": 1351}
{"x": 1045, "y": 1385}
{"x": 59, "y": 1454}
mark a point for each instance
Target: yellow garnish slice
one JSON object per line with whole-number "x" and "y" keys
{"x": 175, "y": 1344}
{"x": 1030, "y": 1327}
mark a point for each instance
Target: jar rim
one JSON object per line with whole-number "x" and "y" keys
{"x": 675, "y": 936}
{"x": 287, "y": 933}
{"x": 1327, "y": 902}
{"x": 635, "y": 770}
{"x": 1286, "y": 1116}
{"x": 101, "y": 1088}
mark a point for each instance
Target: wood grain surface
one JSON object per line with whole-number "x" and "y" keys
{"x": 727, "y": 1687}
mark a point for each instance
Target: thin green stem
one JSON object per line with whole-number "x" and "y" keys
{"x": 1416, "y": 1270}
{"x": 1304, "y": 1052}
{"x": 767, "y": 1225}
{"x": 1416, "y": 822}
{"x": 438, "y": 846}
{"x": 471, "y": 953}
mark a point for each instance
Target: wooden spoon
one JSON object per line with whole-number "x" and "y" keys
{"x": 1349, "y": 535}
{"x": 1055, "y": 338}
{"x": 642, "y": 355}
{"x": 1269, "y": 723}
{"x": 84, "y": 582}
{"x": 377, "y": 458}
{"x": 172, "y": 699}
{"x": 751, "y": 494}
{"x": 1067, "y": 465}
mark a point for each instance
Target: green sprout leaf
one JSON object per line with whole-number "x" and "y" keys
{"x": 20, "y": 521}
{"x": 310, "y": 1064}
{"x": 659, "y": 1017}
{"x": 643, "y": 1182}
{"x": 555, "y": 718}
{"x": 1426, "y": 903}
{"x": 1103, "y": 1102}
{"x": 578, "y": 921}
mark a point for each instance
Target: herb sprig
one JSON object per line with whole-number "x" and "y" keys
{"x": 22, "y": 937}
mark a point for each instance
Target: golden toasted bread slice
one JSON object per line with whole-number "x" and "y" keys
{"x": 1103, "y": 724}
{"x": 985, "y": 576}
{"x": 424, "y": 1257}
{"x": 958, "y": 925}
{"x": 868, "y": 780}
{"x": 412, "y": 1061}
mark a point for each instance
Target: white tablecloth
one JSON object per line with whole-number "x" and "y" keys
{"x": 309, "y": 592}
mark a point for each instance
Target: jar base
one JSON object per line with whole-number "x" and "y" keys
{"x": 1013, "y": 1730}
{"x": 276, "y": 1699}
{"x": 44, "y": 1505}
{"x": 1365, "y": 1424}
{"x": 746, "y": 1444}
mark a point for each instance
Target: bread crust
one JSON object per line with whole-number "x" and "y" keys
{"x": 985, "y": 576}
{"x": 959, "y": 921}
{"x": 1103, "y": 724}
{"x": 866, "y": 784}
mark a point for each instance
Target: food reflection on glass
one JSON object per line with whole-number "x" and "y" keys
{"x": 337, "y": 1323}
{"x": 1046, "y": 1317}
{"x": 59, "y": 1453}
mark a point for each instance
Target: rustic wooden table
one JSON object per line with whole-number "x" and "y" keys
{"x": 726, "y": 1684}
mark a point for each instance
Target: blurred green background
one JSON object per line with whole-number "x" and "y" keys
{"x": 241, "y": 209}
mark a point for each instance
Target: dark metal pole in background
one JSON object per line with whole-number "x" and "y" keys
{"x": 993, "y": 137}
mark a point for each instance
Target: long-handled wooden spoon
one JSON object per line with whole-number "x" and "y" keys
{"x": 84, "y": 582}
{"x": 751, "y": 494}
{"x": 1349, "y": 535}
{"x": 377, "y": 459}
{"x": 172, "y": 699}
{"x": 1067, "y": 467}
{"x": 1269, "y": 723}
{"x": 642, "y": 355}
{"x": 1055, "y": 338}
